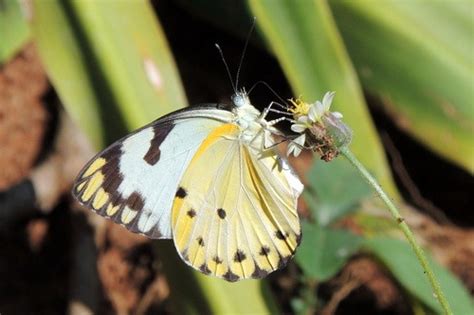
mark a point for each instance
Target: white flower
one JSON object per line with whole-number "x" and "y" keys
{"x": 313, "y": 112}
{"x": 306, "y": 116}
{"x": 295, "y": 145}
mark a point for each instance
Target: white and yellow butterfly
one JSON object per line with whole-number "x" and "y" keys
{"x": 207, "y": 178}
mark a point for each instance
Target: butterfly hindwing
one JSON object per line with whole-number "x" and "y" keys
{"x": 134, "y": 181}
{"x": 234, "y": 215}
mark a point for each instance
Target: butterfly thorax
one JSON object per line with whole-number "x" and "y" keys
{"x": 255, "y": 131}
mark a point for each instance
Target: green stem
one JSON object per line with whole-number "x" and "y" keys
{"x": 403, "y": 226}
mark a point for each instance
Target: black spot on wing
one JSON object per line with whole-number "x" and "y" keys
{"x": 200, "y": 241}
{"x": 135, "y": 201}
{"x": 239, "y": 256}
{"x": 230, "y": 276}
{"x": 155, "y": 233}
{"x": 181, "y": 193}
{"x": 221, "y": 213}
{"x": 264, "y": 251}
{"x": 160, "y": 132}
{"x": 204, "y": 269}
{"x": 191, "y": 213}
{"x": 283, "y": 261}
{"x": 259, "y": 273}
{"x": 217, "y": 260}
{"x": 280, "y": 235}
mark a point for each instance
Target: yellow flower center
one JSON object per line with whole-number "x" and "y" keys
{"x": 300, "y": 107}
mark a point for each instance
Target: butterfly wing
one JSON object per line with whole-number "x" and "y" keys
{"x": 235, "y": 214}
{"x": 134, "y": 181}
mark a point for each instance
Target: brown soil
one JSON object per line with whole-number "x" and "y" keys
{"x": 23, "y": 117}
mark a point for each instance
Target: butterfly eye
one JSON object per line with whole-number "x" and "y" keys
{"x": 238, "y": 100}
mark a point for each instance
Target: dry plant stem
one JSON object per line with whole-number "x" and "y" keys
{"x": 404, "y": 227}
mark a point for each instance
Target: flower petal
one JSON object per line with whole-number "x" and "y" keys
{"x": 291, "y": 148}
{"x": 297, "y": 151}
{"x": 300, "y": 140}
{"x": 320, "y": 110}
{"x": 327, "y": 100}
{"x": 299, "y": 128}
{"x": 313, "y": 113}
{"x": 303, "y": 120}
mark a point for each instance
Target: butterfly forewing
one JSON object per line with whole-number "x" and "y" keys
{"x": 134, "y": 181}
{"x": 235, "y": 214}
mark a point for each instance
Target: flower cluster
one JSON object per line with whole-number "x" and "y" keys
{"x": 320, "y": 129}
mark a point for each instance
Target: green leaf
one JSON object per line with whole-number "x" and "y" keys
{"x": 14, "y": 31}
{"x": 335, "y": 189}
{"x": 135, "y": 61}
{"x": 402, "y": 262}
{"x": 69, "y": 68}
{"x": 304, "y": 38}
{"x": 323, "y": 251}
{"x": 417, "y": 57}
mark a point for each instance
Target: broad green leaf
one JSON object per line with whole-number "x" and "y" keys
{"x": 323, "y": 251}
{"x": 68, "y": 66}
{"x": 112, "y": 68}
{"x": 402, "y": 262}
{"x": 135, "y": 61}
{"x": 417, "y": 57}
{"x": 335, "y": 188}
{"x": 14, "y": 31}
{"x": 304, "y": 38}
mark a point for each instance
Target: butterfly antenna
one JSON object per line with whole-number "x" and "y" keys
{"x": 243, "y": 51}
{"x": 226, "y": 67}
{"x": 272, "y": 90}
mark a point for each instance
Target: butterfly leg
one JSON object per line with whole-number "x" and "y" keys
{"x": 265, "y": 133}
{"x": 285, "y": 139}
{"x": 270, "y": 109}
{"x": 266, "y": 127}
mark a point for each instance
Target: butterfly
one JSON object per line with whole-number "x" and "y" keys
{"x": 209, "y": 179}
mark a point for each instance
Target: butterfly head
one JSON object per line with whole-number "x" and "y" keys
{"x": 240, "y": 98}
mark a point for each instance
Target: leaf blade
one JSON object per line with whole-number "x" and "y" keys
{"x": 420, "y": 65}
{"x": 304, "y": 38}
{"x": 402, "y": 262}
